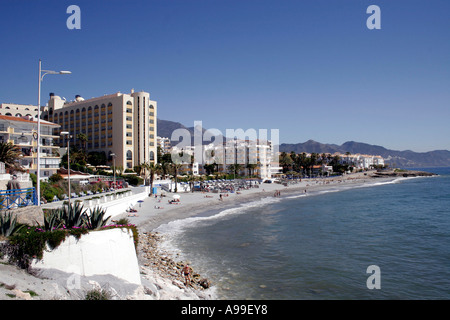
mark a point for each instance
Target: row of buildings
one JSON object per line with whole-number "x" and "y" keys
{"x": 123, "y": 126}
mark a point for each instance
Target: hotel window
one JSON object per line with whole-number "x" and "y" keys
{"x": 129, "y": 110}
{"x": 129, "y": 126}
{"x": 129, "y": 155}
{"x": 151, "y": 107}
{"x": 152, "y": 129}
{"x": 129, "y": 142}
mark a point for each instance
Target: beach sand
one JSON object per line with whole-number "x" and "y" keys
{"x": 148, "y": 217}
{"x": 160, "y": 273}
{"x": 156, "y": 211}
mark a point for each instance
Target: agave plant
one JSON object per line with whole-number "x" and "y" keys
{"x": 8, "y": 224}
{"x": 95, "y": 219}
{"x": 52, "y": 220}
{"x": 73, "y": 215}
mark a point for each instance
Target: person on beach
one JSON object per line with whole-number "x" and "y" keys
{"x": 186, "y": 271}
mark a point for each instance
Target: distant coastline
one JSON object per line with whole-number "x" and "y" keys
{"x": 402, "y": 173}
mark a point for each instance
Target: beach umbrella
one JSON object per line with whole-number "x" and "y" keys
{"x": 140, "y": 201}
{"x": 176, "y": 196}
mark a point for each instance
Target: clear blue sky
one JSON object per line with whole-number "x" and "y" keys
{"x": 311, "y": 69}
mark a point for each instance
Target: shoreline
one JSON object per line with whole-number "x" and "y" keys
{"x": 160, "y": 271}
{"x": 148, "y": 219}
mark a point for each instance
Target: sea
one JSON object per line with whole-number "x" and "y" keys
{"x": 384, "y": 240}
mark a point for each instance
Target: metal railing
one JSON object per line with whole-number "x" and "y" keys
{"x": 16, "y": 198}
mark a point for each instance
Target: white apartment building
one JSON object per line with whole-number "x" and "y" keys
{"x": 165, "y": 144}
{"x": 19, "y": 110}
{"x": 361, "y": 161}
{"x": 23, "y": 134}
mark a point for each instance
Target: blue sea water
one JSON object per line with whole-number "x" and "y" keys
{"x": 319, "y": 246}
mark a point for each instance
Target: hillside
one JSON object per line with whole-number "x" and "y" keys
{"x": 404, "y": 159}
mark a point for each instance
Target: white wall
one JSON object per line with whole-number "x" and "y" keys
{"x": 103, "y": 252}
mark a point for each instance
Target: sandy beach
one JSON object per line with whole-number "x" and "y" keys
{"x": 156, "y": 211}
{"x": 148, "y": 217}
{"x": 160, "y": 272}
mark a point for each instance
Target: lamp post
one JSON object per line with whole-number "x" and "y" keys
{"x": 113, "y": 155}
{"x": 42, "y": 73}
{"x": 65, "y": 133}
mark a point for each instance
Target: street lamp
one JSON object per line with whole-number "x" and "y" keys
{"x": 65, "y": 133}
{"x": 42, "y": 73}
{"x": 113, "y": 155}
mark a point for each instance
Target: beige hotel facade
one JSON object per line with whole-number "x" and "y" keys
{"x": 123, "y": 124}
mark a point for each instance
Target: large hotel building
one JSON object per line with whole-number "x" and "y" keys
{"x": 118, "y": 124}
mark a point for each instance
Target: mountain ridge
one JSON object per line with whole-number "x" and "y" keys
{"x": 406, "y": 158}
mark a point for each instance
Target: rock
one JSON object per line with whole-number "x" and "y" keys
{"x": 204, "y": 283}
{"x": 21, "y": 295}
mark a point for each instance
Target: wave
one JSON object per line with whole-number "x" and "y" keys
{"x": 177, "y": 226}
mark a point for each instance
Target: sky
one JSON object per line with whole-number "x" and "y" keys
{"x": 311, "y": 69}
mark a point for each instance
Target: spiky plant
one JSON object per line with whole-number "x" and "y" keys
{"x": 95, "y": 219}
{"x": 8, "y": 224}
{"x": 73, "y": 215}
{"x": 52, "y": 220}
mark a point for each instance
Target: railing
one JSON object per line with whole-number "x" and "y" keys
{"x": 17, "y": 198}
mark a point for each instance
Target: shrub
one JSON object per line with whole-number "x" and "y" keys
{"x": 55, "y": 178}
{"x": 29, "y": 243}
{"x": 98, "y": 294}
{"x": 133, "y": 180}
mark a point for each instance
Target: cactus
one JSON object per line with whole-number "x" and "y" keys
{"x": 8, "y": 224}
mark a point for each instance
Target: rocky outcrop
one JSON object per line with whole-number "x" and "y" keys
{"x": 165, "y": 266}
{"x": 402, "y": 173}
{"x": 30, "y": 215}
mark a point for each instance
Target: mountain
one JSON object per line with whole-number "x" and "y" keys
{"x": 165, "y": 129}
{"x": 405, "y": 159}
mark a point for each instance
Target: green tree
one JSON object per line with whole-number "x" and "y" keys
{"x": 251, "y": 168}
{"x": 152, "y": 168}
{"x": 286, "y": 161}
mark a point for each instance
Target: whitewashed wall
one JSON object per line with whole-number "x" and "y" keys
{"x": 103, "y": 252}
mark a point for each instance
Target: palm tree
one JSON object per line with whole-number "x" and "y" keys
{"x": 251, "y": 168}
{"x": 9, "y": 154}
{"x": 152, "y": 168}
{"x": 176, "y": 167}
{"x": 235, "y": 168}
{"x": 285, "y": 161}
{"x": 82, "y": 138}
